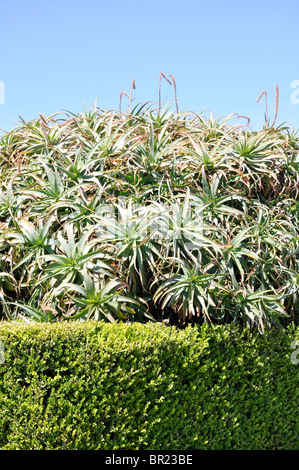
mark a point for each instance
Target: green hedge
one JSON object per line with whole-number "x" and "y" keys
{"x": 86, "y": 385}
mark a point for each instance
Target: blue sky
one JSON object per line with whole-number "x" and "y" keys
{"x": 59, "y": 55}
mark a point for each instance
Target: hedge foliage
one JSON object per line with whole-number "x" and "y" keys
{"x": 87, "y": 385}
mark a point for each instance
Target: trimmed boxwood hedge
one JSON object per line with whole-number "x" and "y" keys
{"x": 87, "y": 385}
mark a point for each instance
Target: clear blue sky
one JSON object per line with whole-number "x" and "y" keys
{"x": 55, "y": 55}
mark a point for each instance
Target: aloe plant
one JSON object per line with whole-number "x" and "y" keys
{"x": 147, "y": 213}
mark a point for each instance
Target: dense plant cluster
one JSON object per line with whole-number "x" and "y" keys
{"x": 149, "y": 215}
{"x": 98, "y": 386}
